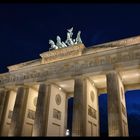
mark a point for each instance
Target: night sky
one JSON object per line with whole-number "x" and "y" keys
{"x": 26, "y": 28}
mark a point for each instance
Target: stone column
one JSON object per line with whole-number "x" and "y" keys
{"x": 40, "y": 123}
{"x": 3, "y": 108}
{"x": 116, "y": 105}
{"x": 3, "y": 115}
{"x": 85, "y": 108}
{"x": 18, "y": 112}
{"x": 2, "y": 100}
{"x": 79, "y": 108}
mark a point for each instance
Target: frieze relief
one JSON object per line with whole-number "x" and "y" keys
{"x": 67, "y": 67}
{"x": 137, "y": 54}
{"x": 113, "y": 59}
{"x": 122, "y": 43}
{"x": 63, "y": 53}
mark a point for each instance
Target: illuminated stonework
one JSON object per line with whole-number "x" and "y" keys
{"x": 34, "y": 94}
{"x": 62, "y": 54}
{"x": 35, "y": 101}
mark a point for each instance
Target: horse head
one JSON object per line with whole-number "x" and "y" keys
{"x": 51, "y": 42}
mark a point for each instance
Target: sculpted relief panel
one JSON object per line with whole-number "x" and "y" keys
{"x": 92, "y": 112}
{"x": 56, "y": 114}
{"x": 64, "y": 53}
{"x": 31, "y": 114}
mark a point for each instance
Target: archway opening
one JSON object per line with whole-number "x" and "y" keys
{"x": 103, "y": 115}
{"x": 133, "y": 112}
{"x": 69, "y": 115}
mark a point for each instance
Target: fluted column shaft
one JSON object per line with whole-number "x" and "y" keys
{"x": 40, "y": 123}
{"x": 19, "y": 112}
{"x": 115, "y": 106}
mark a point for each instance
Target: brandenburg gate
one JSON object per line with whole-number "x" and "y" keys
{"x": 34, "y": 95}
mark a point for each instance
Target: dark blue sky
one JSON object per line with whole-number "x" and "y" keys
{"x": 26, "y": 28}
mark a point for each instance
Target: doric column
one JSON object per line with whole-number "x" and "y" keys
{"x": 50, "y": 111}
{"x": 7, "y": 111}
{"x": 18, "y": 112}
{"x": 117, "y": 116}
{"x": 40, "y": 123}
{"x": 4, "y": 97}
{"x": 79, "y": 108}
{"x": 2, "y": 100}
{"x": 3, "y": 110}
{"x": 85, "y": 109}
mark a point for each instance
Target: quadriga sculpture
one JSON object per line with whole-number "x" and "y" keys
{"x": 69, "y": 41}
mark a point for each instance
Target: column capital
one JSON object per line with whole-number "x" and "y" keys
{"x": 19, "y": 85}
{"x": 2, "y": 88}
{"x": 112, "y": 72}
{"x": 10, "y": 88}
{"x": 45, "y": 83}
{"x": 22, "y": 85}
{"x": 115, "y": 73}
{"x": 79, "y": 77}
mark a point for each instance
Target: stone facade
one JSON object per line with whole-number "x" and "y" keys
{"x": 43, "y": 86}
